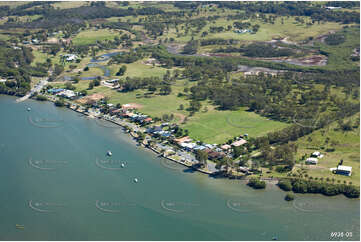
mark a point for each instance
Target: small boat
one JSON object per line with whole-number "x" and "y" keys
{"x": 28, "y": 109}
{"x": 135, "y": 180}
{"x": 122, "y": 165}
{"x": 274, "y": 238}
{"x": 109, "y": 153}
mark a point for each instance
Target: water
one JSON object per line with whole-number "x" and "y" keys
{"x": 57, "y": 181}
{"x": 94, "y": 64}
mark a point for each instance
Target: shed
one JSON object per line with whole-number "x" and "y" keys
{"x": 344, "y": 170}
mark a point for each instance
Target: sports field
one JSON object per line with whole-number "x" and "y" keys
{"x": 218, "y": 126}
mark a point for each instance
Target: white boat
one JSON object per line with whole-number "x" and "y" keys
{"x": 135, "y": 180}
{"x": 29, "y": 109}
{"x": 109, "y": 153}
{"x": 122, "y": 165}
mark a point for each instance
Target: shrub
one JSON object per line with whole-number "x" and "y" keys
{"x": 289, "y": 197}
{"x": 41, "y": 98}
{"x": 256, "y": 183}
{"x": 285, "y": 185}
{"x": 59, "y": 103}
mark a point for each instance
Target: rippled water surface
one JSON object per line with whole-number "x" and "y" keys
{"x": 57, "y": 182}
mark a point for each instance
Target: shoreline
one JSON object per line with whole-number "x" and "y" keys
{"x": 126, "y": 124}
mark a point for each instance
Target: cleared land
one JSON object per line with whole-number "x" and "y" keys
{"x": 92, "y": 36}
{"x": 295, "y": 31}
{"x": 346, "y": 145}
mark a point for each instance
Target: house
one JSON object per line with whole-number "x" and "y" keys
{"x": 331, "y": 7}
{"x": 225, "y": 147}
{"x": 343, "y": 170}
{"x": 212, "y": 155}
{"x": 316, "y": 154}
{"x": 70, "y": 57}
{"x": 184, "y": 139}
{"x": 164, "y": 124}
{"x": 311, "y": 161}
{"x": 55, "y": 90}
{"x": 199, "y": 147}
{"x": 188, "y": 146}
{"x": 154, "y": 129}
{"x": 67, "y": 93}
{"x": 243, "y": 169}
{"x": 239, "y": 142}
{"x": 114, "y": 111}
{"x": 147, "y": 120}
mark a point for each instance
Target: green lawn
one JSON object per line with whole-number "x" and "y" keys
{"x": 64, "y": 5}
{"x": 290, "y": 28}
{"x": 218, "y": 126}
{"x": 339, "y": 55}
{"x": 138, "y": 69}
{"x": 347, "y": 147}
{"x": 91, "y": 36}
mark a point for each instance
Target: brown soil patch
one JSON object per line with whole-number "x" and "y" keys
{"x": 181, "y": 117}
{"x": 136, "y": 105}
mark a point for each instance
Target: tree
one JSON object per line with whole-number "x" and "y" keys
{"x": 195, "y": 106}
{"x": 122, "y": 70}
{"x": 165, "y": 90}
{"x": 289, "y": 197}
{"x": 69, "y": 86}
{"x": 91, "y": 85}
{"x": 202, "y": 157}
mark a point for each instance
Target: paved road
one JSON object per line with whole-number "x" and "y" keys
{"x": 36, "y": 88}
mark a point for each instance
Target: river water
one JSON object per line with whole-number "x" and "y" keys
{"x": 57, "y": 182}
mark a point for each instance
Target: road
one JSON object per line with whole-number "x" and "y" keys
{"x": 36, "y": 88}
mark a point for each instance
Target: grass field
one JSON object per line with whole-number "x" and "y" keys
{"x": 339, "y": 55}
{"x": 91, "y": 36}
{"x": 291, "y": 29}
{"x": 64, "y": 5}
{"x": 138, "y": 69}
{"x": 347, "y": 147}
{"x": 218, "y": 126}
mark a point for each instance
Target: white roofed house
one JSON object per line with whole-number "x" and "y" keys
{"x": 70, "y": 57}
{"x": 342, "y": 170}
{"x": 311, "y": 161}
